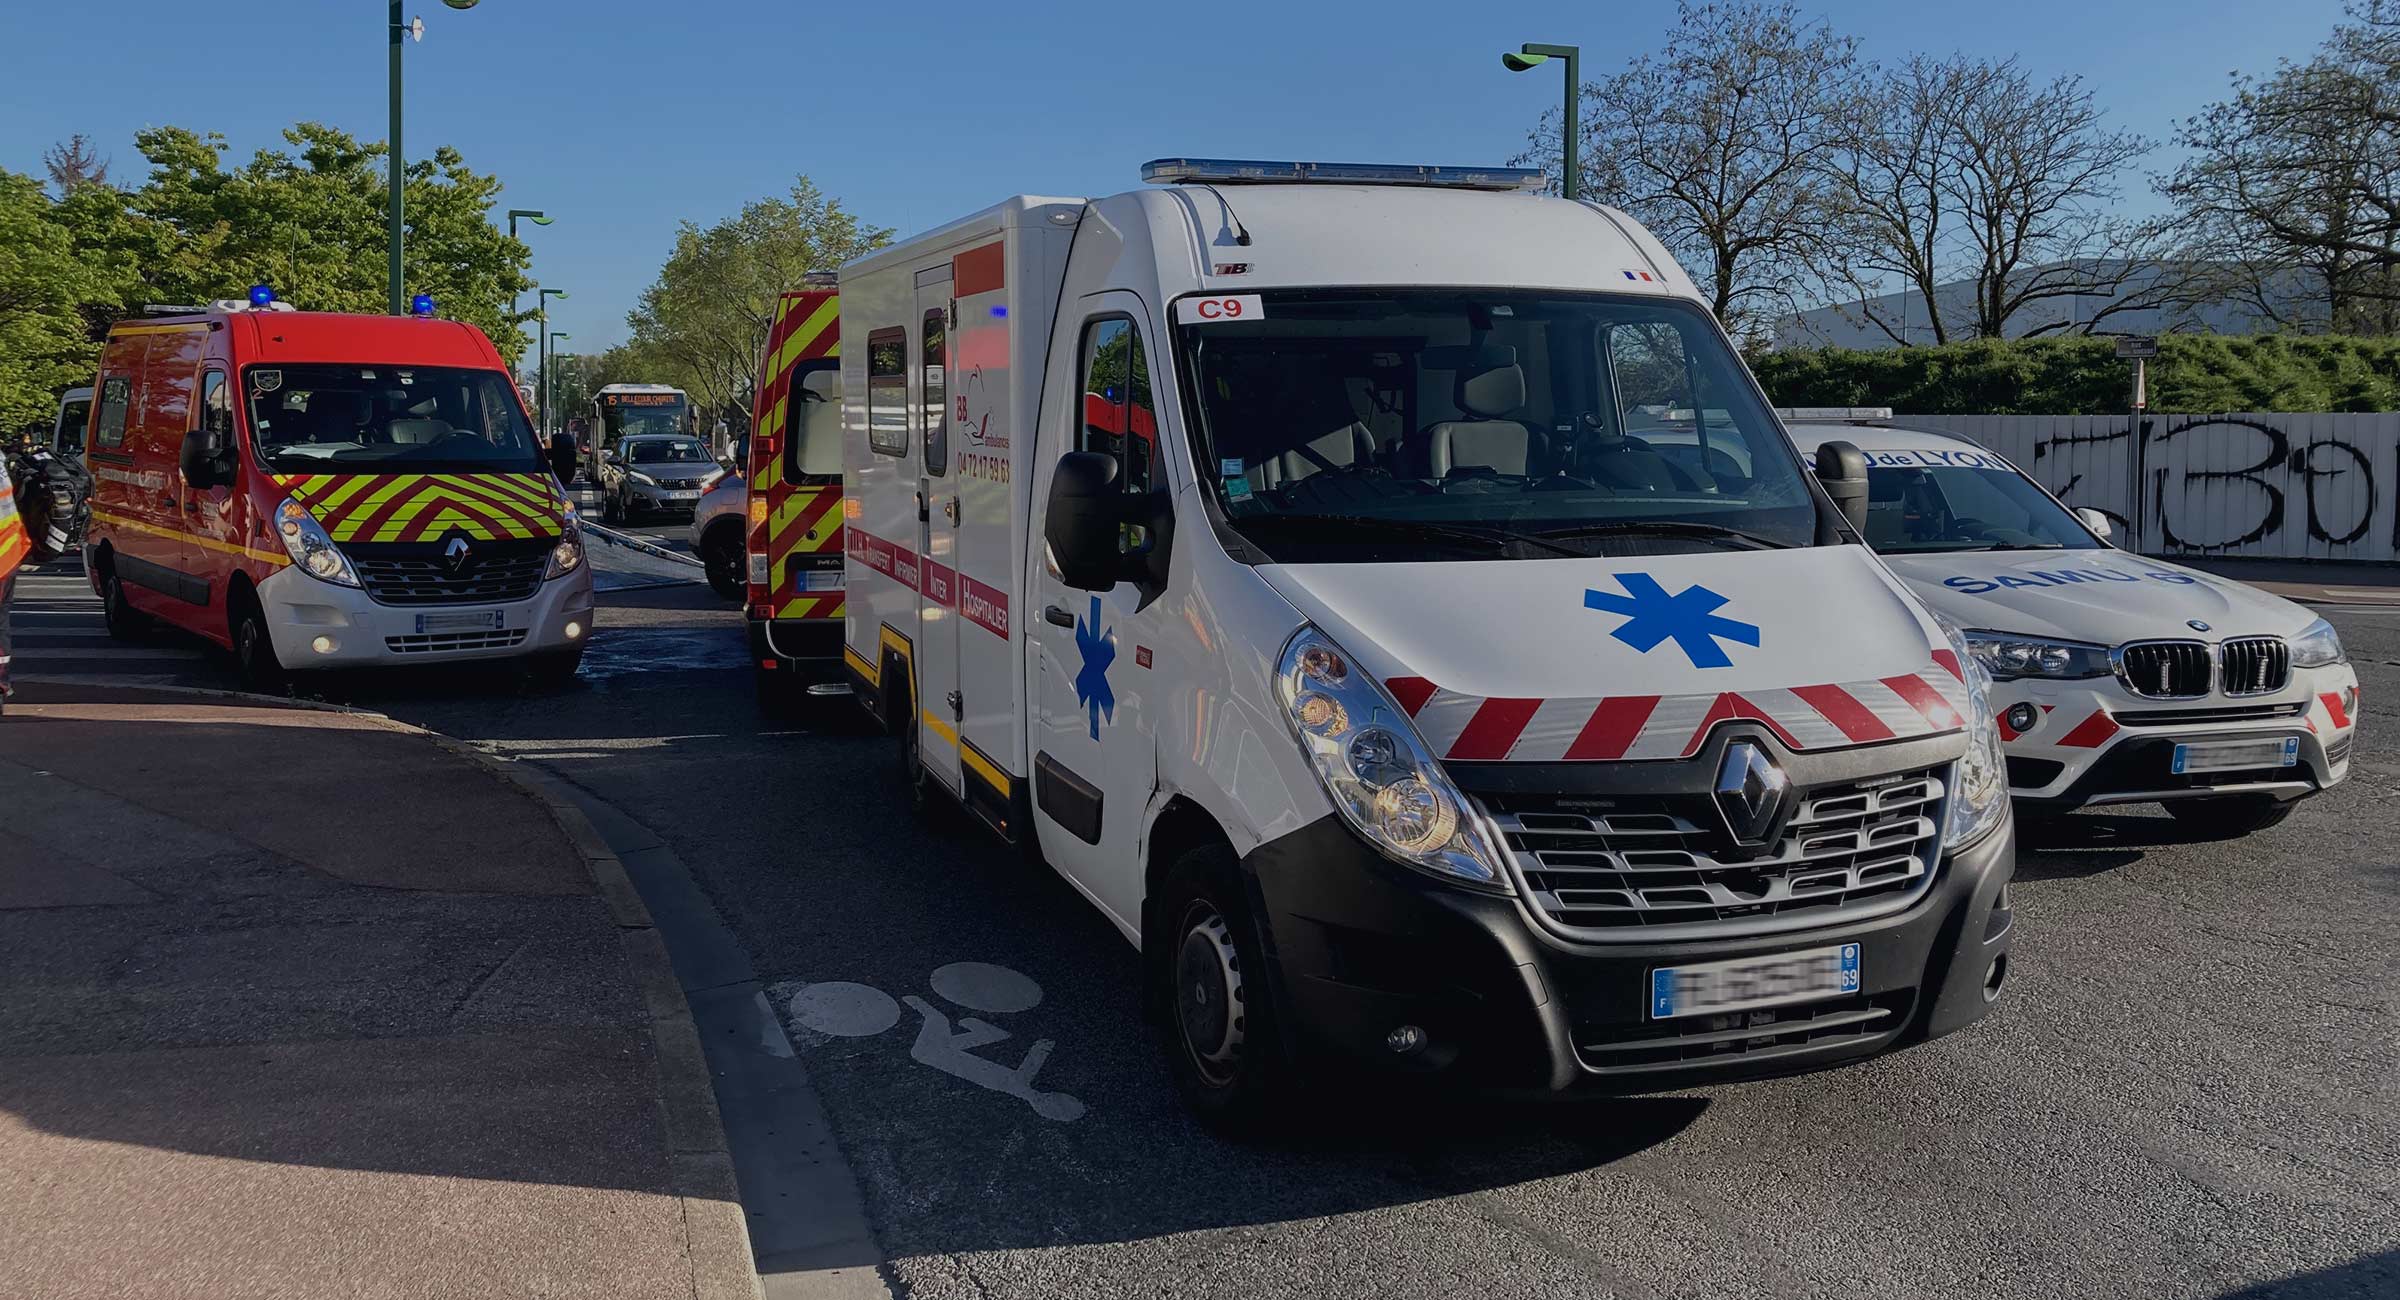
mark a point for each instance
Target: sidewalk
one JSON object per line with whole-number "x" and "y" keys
{"x": 2311, "y": 582}
{"x": 302, "y": 1003}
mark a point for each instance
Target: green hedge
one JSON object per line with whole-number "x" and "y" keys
{"x": 2082, "y": 376}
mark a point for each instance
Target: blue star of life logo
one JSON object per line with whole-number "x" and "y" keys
{"x": 1688, "y": 618}
{"x": 1099, "y": 650}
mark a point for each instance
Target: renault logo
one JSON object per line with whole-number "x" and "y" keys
{"x": 1750, "y": 792}
{"x": 454, "y": 553}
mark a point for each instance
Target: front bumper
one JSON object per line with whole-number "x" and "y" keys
{"x": 644, "y": 498}
{"x": 2095, "y": 742}
{"x": 359, "y": 631}
{"x": 1360, "y": 946}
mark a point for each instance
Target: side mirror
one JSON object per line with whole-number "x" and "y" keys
{"x": 1842, "y": 470}
{"x": 202, "y": 458}
{"x": 2093, "y": 520}
{"x": 1084, "y": 520}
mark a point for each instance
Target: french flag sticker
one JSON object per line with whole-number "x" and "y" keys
{"x": 1643, "y": 276}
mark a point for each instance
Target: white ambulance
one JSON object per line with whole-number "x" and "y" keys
{"x": 1278, "y": 552}
{"x": 2119, "y": 678}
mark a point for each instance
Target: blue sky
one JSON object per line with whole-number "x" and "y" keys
{"x": 621, "y": 118}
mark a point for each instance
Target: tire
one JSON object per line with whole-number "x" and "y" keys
{"x": 780, "y": 695}
{"x": 721, "y": 549}
{"x": 1214, "y": 1018}
{"x": 554, "y": 668}
{"x": 2231, "y": 816}
{"x": 254, "y": 648}
{"x": 125, "y": 623}
{"x": 612, "y": 511}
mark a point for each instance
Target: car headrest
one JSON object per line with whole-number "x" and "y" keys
{"x": 1492, "y": 393}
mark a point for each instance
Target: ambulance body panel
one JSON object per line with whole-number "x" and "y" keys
{"x": 2167, "y": 672}
{"x": 1154, "y": 356}
{"x": 437, "y": 540}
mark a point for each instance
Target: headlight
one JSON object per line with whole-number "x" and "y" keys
{"x": 1979, "y": 789}
{"x": 639, "y": 477}
{"x": 2008, "y": 657}
{"x": 1380, "y": 777}
{"x": 712, "y": 480}
{"x": 2318, "y": 646}
{"x": 305, "y": 540}
{"x": 567, "y": 556}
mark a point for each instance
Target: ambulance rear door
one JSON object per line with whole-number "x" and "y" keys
{"x": 983, "y": 397}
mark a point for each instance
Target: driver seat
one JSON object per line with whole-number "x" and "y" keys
{"x": 1490, "y": 440}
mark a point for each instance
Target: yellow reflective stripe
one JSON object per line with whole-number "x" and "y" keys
{"x": 128, "y": 331}
{"x": 817, "y": 323}
{"x": 859, "y": 664}
{"x": 335, "y": 490}
{"x": 519, "y": 487}
{"x": 204, "y": 543}
{"x": 967, "y": 754}
{"x": 348, "y": 528}
{"x": 504, "y": 513}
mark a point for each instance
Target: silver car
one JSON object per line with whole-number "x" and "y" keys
{"x": 649, "y": 474}
{"x": 719, "y": 523}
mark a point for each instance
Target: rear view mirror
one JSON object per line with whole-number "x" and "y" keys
{"x": 1083, "y": 522}
{"x": 203, "y": 460}
{"x": 2095, "y": 521}
{"x": 1842, "y": 470}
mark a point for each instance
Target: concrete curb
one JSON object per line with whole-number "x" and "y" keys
{"x": 716, "y": 1236}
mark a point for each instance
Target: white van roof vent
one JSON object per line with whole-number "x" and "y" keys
{"x": 1235, "y": 171}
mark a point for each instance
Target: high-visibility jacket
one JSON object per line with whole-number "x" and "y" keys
{"x": 14, "y": 544}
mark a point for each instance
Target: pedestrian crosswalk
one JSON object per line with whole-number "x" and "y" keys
{"x": 55, "y": 630}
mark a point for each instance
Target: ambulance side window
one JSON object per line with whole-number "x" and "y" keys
{"x": 887, "y": 391}
{"x": 937, "y": 393}
{"x": 1119, "y": 418}
{"x": 116, "y": 394}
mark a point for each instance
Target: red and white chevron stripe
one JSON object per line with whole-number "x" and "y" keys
{"x": 1470, "y": 727}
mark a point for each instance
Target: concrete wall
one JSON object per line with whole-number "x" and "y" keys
{"x": 2272, "y": 486}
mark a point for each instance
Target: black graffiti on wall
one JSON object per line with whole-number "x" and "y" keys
{"x": 2221, "y": 493}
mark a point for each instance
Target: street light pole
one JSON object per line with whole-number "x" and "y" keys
{"x": 515, "y": 300}
{"x": 541, "y": 348}
{"x": 1531, "y": 55}
{"x": 397, "y": 30}
{"x": 550, "y": 358}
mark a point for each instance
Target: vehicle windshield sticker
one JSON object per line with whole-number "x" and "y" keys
{"x": 1099, "y": 650}
{"x": 1217, "y": 308}
{"x": 2038, "y": 578}
{"x": 1940, "y": 459}
{"x": 266, "y": 381}
{"x": 1688, "y": 618}
{"x": 1237, "y": 489}
{"x": 1230, "y": 468}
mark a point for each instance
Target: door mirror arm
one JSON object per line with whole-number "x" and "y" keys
{"x": 1099, "y": 535}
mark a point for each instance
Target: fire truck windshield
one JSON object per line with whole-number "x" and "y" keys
{"x": 1410, "y": 424}
{"x": 417, "y": 418}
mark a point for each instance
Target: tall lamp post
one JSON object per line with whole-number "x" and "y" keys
{"x": 1531, "y": 55}
{"x": 397, "y": 30}
{"x": 541, "y": 347}
{"x": 536, "y": 218}
{"x": 550, "y": 358}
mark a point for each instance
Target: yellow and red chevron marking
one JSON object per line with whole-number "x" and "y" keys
{"x": 791, "y": 524}
{"x": 426, "y": 507}
{"x": 14, "y": 544}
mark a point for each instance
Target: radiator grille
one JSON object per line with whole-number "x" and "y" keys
{"x": 417, "y": 574}
{"x": 2255, "y": 665}
{"x": 436, "y": 642}
{"x": 2165, "y": 670}
{"x": 1668, "y": 865}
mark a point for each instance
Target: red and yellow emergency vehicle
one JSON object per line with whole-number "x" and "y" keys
{"x": 796, "y": 593}
{"x": 317, "y": 490}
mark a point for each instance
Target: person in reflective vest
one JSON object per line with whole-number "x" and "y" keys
{"x": 15, "y": 545}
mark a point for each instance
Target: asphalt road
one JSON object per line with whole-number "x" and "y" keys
{"x": 2189, "y": 1090}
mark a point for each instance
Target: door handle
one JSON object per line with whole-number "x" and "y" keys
{"x": 166, "y": 498}
{"x": 192, "y": 506}
{"x": 1057, "y": 616}
{"x": 921, "y": 515}
{"x": 950, "y": 510}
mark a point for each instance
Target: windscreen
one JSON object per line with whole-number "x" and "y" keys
{"x": 1915, "y": 509}
{"x": 668, "y": 451}
{"x": 414, "y": 419}
{"x": 624, "y": 415}
{"x": 1440, "y": 424}
{"x": 813, "y": 423}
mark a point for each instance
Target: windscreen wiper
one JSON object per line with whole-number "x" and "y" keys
{"x": 2026, "y": 546}
{"x": 1666, "y": 528}
{"x": 1480, "y": 536}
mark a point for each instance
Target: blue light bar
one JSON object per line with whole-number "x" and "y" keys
{"x": 261, "y": 295}
{"x": 1234, "y": 171}
{"x": 421, "y": 305}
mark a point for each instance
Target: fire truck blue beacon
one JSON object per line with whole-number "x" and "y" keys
{"x": 1383, "y": 593}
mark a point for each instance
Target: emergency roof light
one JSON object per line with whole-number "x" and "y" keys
{"x": 1833, "y": 414}
{"x": 261, "y": 295}
{"x": 421, "y": 305}
{"x": 1232, "y": 171}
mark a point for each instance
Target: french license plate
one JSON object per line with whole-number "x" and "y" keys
{"x": 466, "y": 620}
{"x": 2234, "y": 755}
{"x": 821, "y": 580}
{"x": 1745, "y": 982}
{"x": 683, "y": 496}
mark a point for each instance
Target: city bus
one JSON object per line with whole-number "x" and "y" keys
{"x": 621, "y": 409}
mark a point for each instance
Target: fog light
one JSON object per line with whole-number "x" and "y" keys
{"x": 1405, "y": 1039}
{"x": 2350, "y": 701}
{"x": 574, "y": 630}
{"x": 324, "y": 645}
{"x": 2021, "y": 718}
{"x": 1995, "y": 976}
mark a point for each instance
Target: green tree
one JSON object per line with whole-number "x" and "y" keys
{"x": 45, "y": 343}
{"x": 703, "y": 325}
